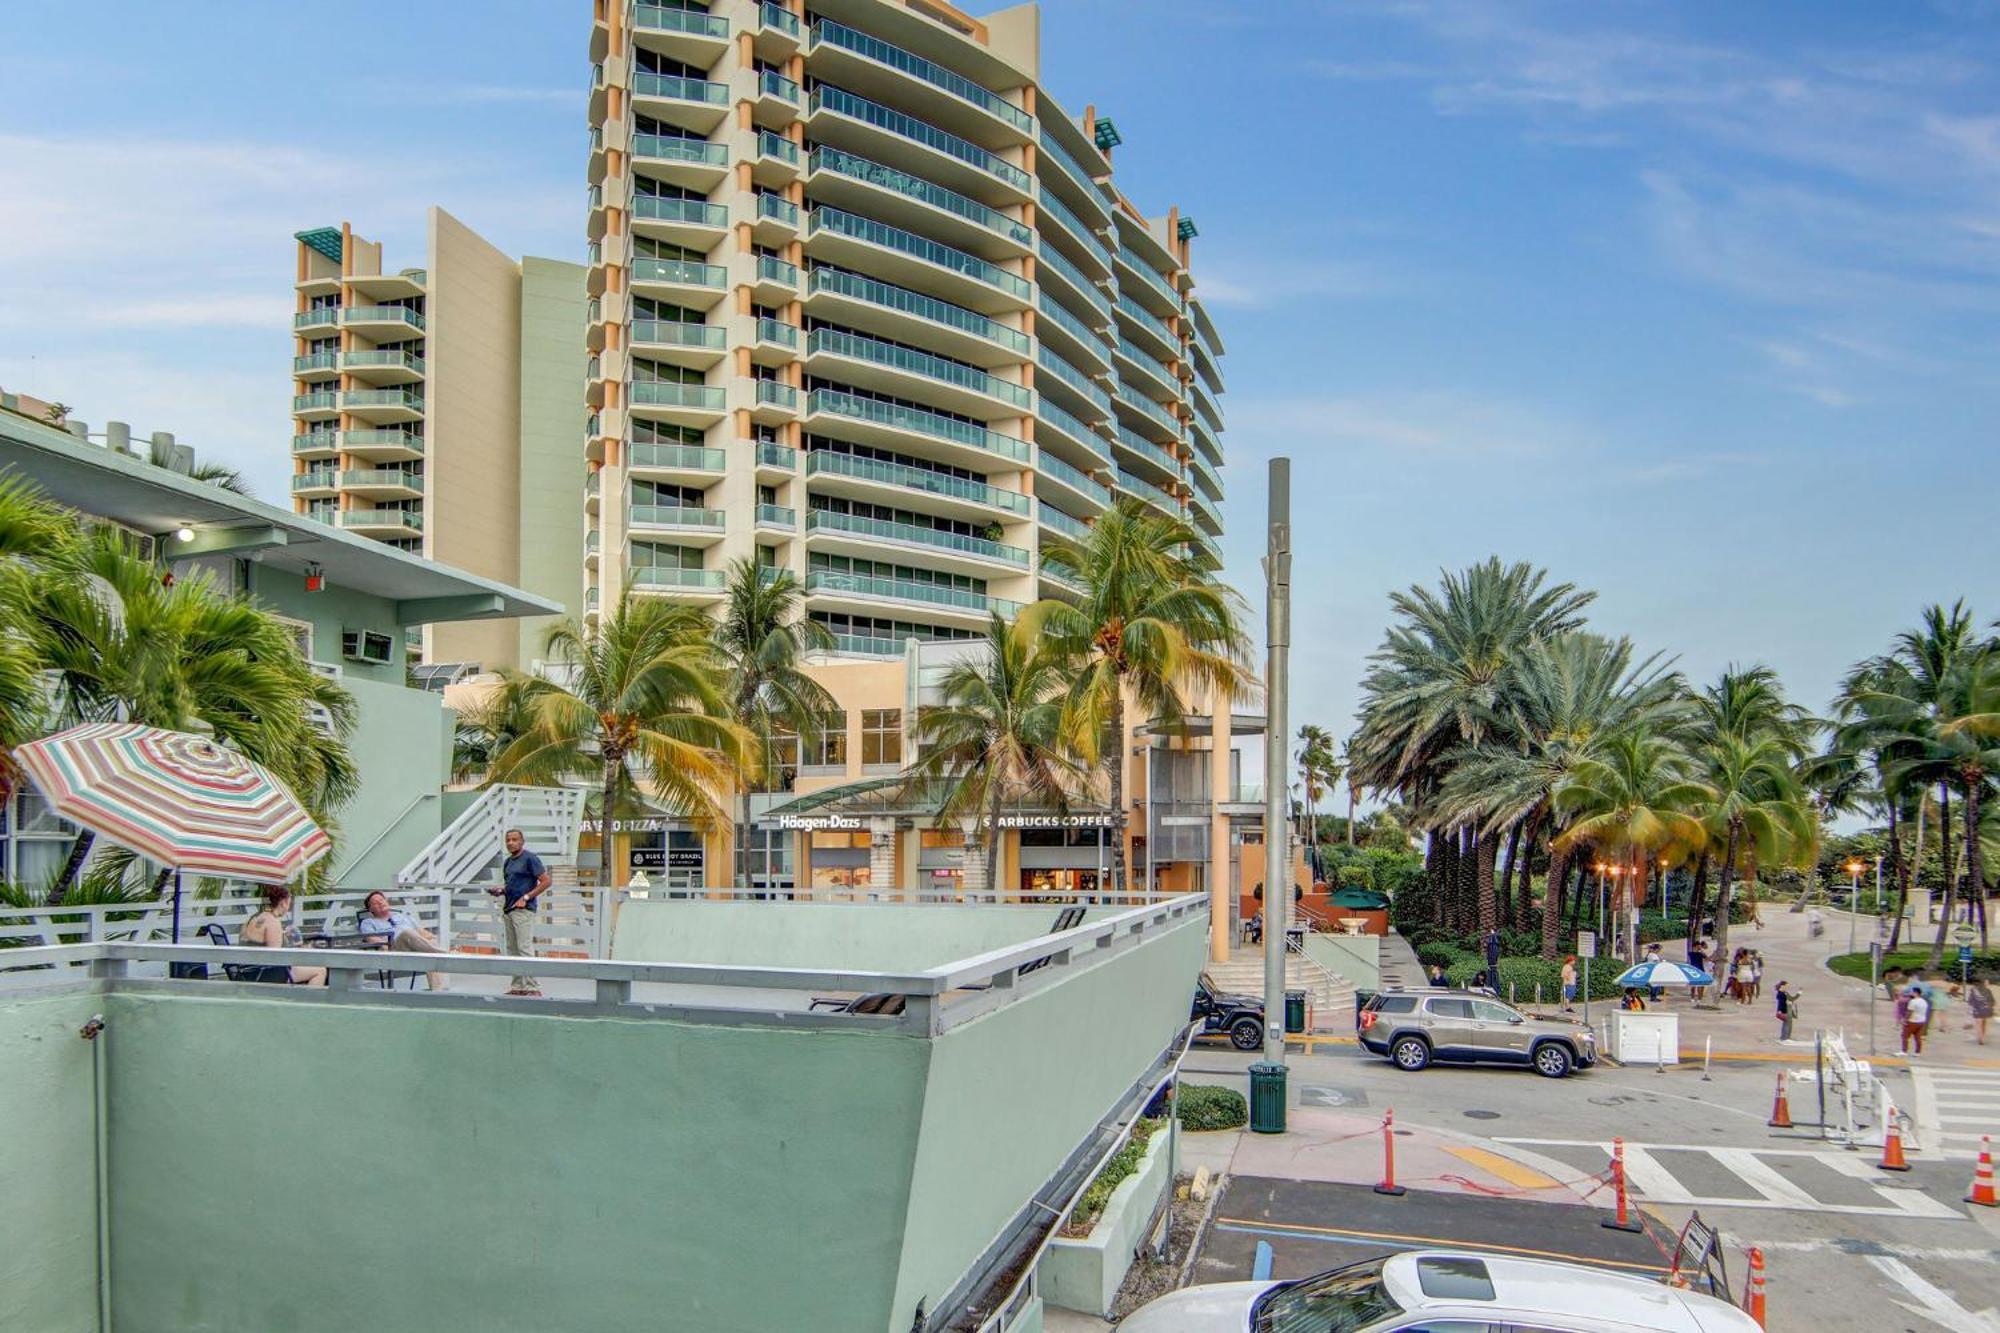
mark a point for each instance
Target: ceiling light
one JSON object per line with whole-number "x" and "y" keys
{"x": 184, "y": 533}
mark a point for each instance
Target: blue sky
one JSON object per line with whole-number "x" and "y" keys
{"x": 1693, "y": 303}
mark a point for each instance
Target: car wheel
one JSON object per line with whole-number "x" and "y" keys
{"x": 1411, "y": 1053}
{"x": 1246, "y": 1034}
{"x": 1552, "y": 1059}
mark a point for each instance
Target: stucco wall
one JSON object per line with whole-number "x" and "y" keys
{"x": 402, "y": 747}
{"x": 864, "y": 937}
{"x": 48, "y": 1177}
{"x": 553, "y": 359}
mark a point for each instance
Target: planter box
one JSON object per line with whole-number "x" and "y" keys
{"x": 1084, "y": 1274}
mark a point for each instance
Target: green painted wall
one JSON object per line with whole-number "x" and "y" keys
{"x": 48, "y": 1176}
{"x": 553, "y": 363}
{"x": 871, "y": 937}
{"x": 288, "y": 1165}
{"x": 330, "y": 611}
{"x": 402, "y": 747}
{"x": 1067, "y": 1053}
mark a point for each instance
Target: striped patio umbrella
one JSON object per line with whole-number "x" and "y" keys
{"x": 180, "y": 800}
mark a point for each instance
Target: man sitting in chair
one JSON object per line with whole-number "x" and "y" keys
{"x": 380, "y": 921}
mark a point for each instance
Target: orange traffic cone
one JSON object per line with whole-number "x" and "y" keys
{"x": 1753, "y": 1290}
{"x": 1781, "y": 1109}
{"x": 1982, "y": 1176}
{"x": 1892, "y": 1144}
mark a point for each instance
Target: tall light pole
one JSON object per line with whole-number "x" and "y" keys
{"x": 1277, "y": 821}
{"x": 1853, "y": 899}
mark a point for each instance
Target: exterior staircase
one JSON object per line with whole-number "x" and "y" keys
{"x": 469, "y": 849}
{"x": 1329, "y": 999}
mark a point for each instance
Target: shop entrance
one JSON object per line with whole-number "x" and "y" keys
{"x": 1054, "y": 885}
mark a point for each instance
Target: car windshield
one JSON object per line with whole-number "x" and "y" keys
{"x": 1338, "y": 1302}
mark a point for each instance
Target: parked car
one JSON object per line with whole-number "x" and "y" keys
{"x": 1237, "y": 1017}
{"x": 1443, "y": 1289}
{"x": 1415, "y": 1027}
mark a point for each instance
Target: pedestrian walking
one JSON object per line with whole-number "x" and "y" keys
{"x": 1756, "y": 975}
{"x": 1916, "y": 1017}
{"x": 1569, "y": 984}
{"x": 1698, "y": 960}
{"x": 523, "y": 877}
{"x": 1980, "y": 1001}
{"x": 1746, "y": 977}
{"x": 1788, "y": 1011}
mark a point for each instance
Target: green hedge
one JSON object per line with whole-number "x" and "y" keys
{"x": 1524, "y": 973}
{"x": 1855, "y": 965}
{"x": 1205, "y": 1107}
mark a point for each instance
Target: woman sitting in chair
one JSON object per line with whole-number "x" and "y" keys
{"x": 267, "y": 930}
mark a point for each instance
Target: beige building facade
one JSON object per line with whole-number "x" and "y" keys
{"x": 439, "y": 410}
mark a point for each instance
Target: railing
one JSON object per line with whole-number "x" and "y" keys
{"x": 778, "y": 17}
{"x": 1058, "y": 521}
{"x": 673, "y": 148}
{"x": 687, "y": 457}
{"x": 662, "y": 19}
{"x": 1048, "y": 255}
{"x": 1147, "y": 319}
{"x": 316, "y": 480}
{"x": 398, "y": 360}
{"x": 782, "y": 516}
{"x": 1151, "y": 410}
{"x": 406, "y": 398}
{"x": 404, "y": 519}
{"x": 777, "y": 394}
{"x": 1151, "y": 278}
{"x": 777, "y": 146}
{"x": 1048, "y": 414}
{"x": 1078, "y": 229}
{"x": 679, "y": 89}
{"x": 778, "y": 208}
{"x": 381, "y": 314}
{"x": 312, "y": 319}
{"x": 841, "y": 102}
{"x": 909, "y": 590}
{"x": 1055, "y": 364}
{"x": 694, "y": 212}
{"x": 1206, "y": 406}
{"x": 472, "y": 845}
{"x": 1146, "y": 449}
{"x": 1073, "y": 478}
{"x": 671, "y": 393}
{"x": 874, "y": 48}
{"x": 777, "y": 455}
{"x": 914, "y": 478}
{"x": 679, "y": 333}
{"x": 667, "y": 576}
{"x": 890, "y": 296}
{"x": 317, "y": 401}
{"x": 772, "y": 269}
{"x": 867, "y": 645}
{"x": 1145, "y": 490}
{"x": 1206, "y": 439}
{"x": 316, "y": 441}
{"x": 676, "y": 516}
{"x": 942, "y": 538}
{"x": 1092, "y": 340}
{"x": 646, "y": 268}
{"x": 1077, "y": 176}
{"x": 383, "y": 477}
{"x": 315, "y": 361}
{"x": 909, "y": 243}
{"x": 772, "y": 84}
{"x": 923, "y": 191}
{"x": 834, "y": 342}
{"x": 383, "y": 438}
{"x": 899, "y": 417}
{"x": 777, "y": 331}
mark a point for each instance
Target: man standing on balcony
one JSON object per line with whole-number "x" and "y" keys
{"x": 523, "y": 878}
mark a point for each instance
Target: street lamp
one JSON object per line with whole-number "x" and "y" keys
{"x": 1853, "y": 899}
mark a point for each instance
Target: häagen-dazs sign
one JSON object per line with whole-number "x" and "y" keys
{"x": 817, "y": 823}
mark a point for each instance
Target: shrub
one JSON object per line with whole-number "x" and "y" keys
{"x": 1090, "y": 1204}
{"x": 1204, "y": 1107}
{"x": 1436, "y": 953}
{"x": 1525, "y": 973}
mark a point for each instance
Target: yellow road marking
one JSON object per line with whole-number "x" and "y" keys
{"x": 1509, "y": 1170}
{"x": 1443, "y": 1242}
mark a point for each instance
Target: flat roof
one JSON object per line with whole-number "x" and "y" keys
{"x": 96, "y": 480}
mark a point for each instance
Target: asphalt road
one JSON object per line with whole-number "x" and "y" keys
{"x": 1847, "y": 1247}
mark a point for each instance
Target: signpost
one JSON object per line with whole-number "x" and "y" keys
{"x": 1965, "y": 964}
{"x": 1874, "y": 985}
{"x": 1586, "y": 949}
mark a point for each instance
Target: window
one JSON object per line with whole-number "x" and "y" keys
{"x": 1456, "y": 1009}
{"x": 881, "y": 736}
{"x": 1488, "y": 1012}
{"x": 828, "y": 749}
{"x": 1338, "y": 1302}
{"x": 34, "y": 840}
{"x": 1394, "y": 1004}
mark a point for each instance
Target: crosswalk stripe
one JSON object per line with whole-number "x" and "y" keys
{"x": 1760, "y": 1177}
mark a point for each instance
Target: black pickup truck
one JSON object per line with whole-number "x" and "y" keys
{"x": 1237, "y": 1017}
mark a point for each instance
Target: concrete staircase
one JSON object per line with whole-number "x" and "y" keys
{"x": 1329, "y": 998}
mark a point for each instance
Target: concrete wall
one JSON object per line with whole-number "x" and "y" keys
{"x": 329, "y": 612}
{"x": 860, "y": 936}
{"x": 1085, "y": 1274}
{"x": 402, "y": 747}
{"x": 48, "y": 1176}
{"x": 1357, "y": 958}
{"x": 550, "y": 505}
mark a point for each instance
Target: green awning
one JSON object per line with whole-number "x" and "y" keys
{"x": 326, "y": 240}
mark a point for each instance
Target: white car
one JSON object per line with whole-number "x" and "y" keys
{"x": 1442, "y": 1291}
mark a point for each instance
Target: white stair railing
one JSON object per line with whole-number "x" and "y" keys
{"x": 469, "y": 849}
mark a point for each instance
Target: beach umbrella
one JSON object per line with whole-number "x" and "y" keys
{"x": 177, "y": 799}
{"x": 1664, "y": 972}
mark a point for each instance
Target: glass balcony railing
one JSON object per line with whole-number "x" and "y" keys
{"x": 671, "y": 148}
{"x": 404, "y": 398}
{"x": 1205, "y": 475}
{"x": 1078, "y": 177}
{"x": 824, "y": 462}
{"x": 1062, "y": 579}
{"x": 686, "y": 457}
{"x": 682, "y": 271}
{"x": 407, "y": 519}
{"x": 673, "y": 516}
{"x": 1151, "y": 278}
{"x": 396, "y": 359}
{"x": 668, "y": 576}
{"x": 919, "y": 247}
{"x": 594, "y": 197}
{"x": 413, "y": 481}
{"x": 1146, "y": 449}
{"x": 777, "y": 331}
{"x": 777, "y": 146}
{"x": 592, "y": 540}
{"x": 659, "y": 18}
{"x": 676, "y": 88}
{"x": 1076, "y": 226}
{"x": 909, "y": 590}
{"x": 316, "y": 480}
{"x": 777, "y": 17}
{"x": 381, "y": 314}
{"x": 1048, "y": 414}
{"x": 324, "y": 400}
{"x": 829, "y": 520}
{"x": 1206, "y": 406}
{"x": 842, "y": 102}
{"x": 314, "y": 319}
{"x": 1146, "y": 319}
{"x": 694, "y": 212}
{"x": 777, "y": 394}
{"x": 1053, "y": 258}
{"x": 923, "y": 191}
{"x": 778, "y": 209}
{"x": 302, "y": 365}
{"x": 780, "y": 516}
{"x": 833, "y": 342}
{"x": 593, "y": 310}
{"x": 1057, "y": 521}
{"x": 1074, "y": 478}
{"x": 772, "y": 269}
{"x": 773, "y": 84}
{"x": 679, "y": 333}
{"x": 777, "y": 455}
{"x": 867, "y": 645}
{"x": 671, "y": 393}
{"x": 591, "y": 598}
{"x": 1150, "y": 365}
{"x": 1152, "y": 411}
{"x": 1074, "y": 378}
{"x": 874, "y": 48}
{"x": 1206, "y": 440}
{"x": 1061, "y": 316}
{"x": 382, "y": 439}
{"x": 937, "y": 425}
{"x": 1145, "y": 490}
{"x": 892, "y": 297}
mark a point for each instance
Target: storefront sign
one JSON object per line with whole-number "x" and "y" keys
{"x": 648, "y": 824}
{"x": 817, "y": 823}
{"x": 684, "y": 858}
{"x": 1094, "y": 820}
{"x": 649, "y": 858}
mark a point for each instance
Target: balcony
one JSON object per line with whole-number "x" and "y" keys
{"x": 317, "y": 481}
{"x": 1206, "y": 516}
{"x": 865, "y": 536}
{"x": 778, "y": 98}
{"x": 692, "y": 104}
{"x": 1061, "y": 581}
{"x": 1063, "y": 525}
{"x": 698, "y": 346}
{"x": 701, "y": 525}
{"x": 777, "y": 161}
{"x": 1150, "y": 458}
{"x": 776, "y": 461}
{"x": 844, "y": 120}
{"x": 1071, "y": 178}
{"x": 391, "y": 366}
{"x": 1205, "y": 366}
{"x": 1151, "y": 377}
{"x": 316, "y": 366}
{"x": 1053, "y": 426}
{"x": 1151, "y": 290}
{"x": 1147, "y": 329}
{"x": 694, "y": 164}
{"x": 1071, "y": 336}
{"x": 684, "y": 35}
{"x": 903, "y": 371}
{"x": 776, "y": 341}
{"x": 383, "y": 483}
{"x": 911, "y": 430}
{"x": 1207, "y": 408}
{"x": 1151, "y": 494}
{"x": 383, "y": 524}
{"x": 848, "y": 238}
{"x": 1204, "y": 476}
{"x": 1205, "y": 440}
{"x": 593, "y": 542}
{"x": 319, "y": 405}
{"x": 681, "y": 281}
{"x": 675, "y": 462}
{"x": 694, "y": 223}
{"x": 874, "y": 67}
{"x": 383, "y": 446}
{"x": 898, "y": 483}
{"x": 911, "y": 316}
{"x": 777, "y": 220}
{"x": 1082, "y": 388}
{"x": 1153, "y": 419}
{"x": 1086, "y": 240}
{"x": 382, "y": 406}
{"x": 850, "y": 181}
{"x": 773, "y": 402}
{"x": 1083, "y": 491}
{"x": 776, "y": 279}
{"x": 381, "y": 321}
{"x": 325, "y": 317}
{"x": 866, "y": 592}
{"x": 593, "y": 491}
{"x": 782, "y": 517}
{"x": 668, "y": 579}
{"x": 779, "y": 31}
{"x": 684, "y": 404}
{"x": 1072, "y": 284}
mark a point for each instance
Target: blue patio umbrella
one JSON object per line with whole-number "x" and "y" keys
{"x": 1662, "y": 972}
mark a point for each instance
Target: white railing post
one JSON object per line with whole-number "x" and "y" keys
{"x": 444, "y": 918}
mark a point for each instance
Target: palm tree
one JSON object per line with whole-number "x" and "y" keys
{"x": 996, "y": 736}
{"x": 639, "y": 702}
{"x": 33, "y": 532}
{"x": 486, "y": 727}
{"x": 1151, "y": 624}
{"x": 1968, "y": 746}
{"x": 1631, "y": 803}
{"x": 1753, "y": 806}
{"x": 762, "y": 642}
{"x": 1319, "y": 770}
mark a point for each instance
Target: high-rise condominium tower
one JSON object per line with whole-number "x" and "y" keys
{"x": 866, "y": 304}
{"x": 438, "y": 410}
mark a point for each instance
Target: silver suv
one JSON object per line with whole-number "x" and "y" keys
{"x": 1415, "y": 1027}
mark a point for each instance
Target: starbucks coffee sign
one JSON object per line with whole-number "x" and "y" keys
{"x": 1097, "y": 820}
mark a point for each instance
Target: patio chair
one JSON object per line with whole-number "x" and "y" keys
{"x": 880, "y": 1002}
{"x": 1067, "y": 919}
{"x": 265, "y": 973}
{"x": 384, "y": 978}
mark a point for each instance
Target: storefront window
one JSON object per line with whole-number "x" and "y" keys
{"x": 882, "y": 736}
{"x": 839, "y": 877}
{"x": 1038, "y": 885}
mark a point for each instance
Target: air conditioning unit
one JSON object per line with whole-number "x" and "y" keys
{"x": 358, "y": 645}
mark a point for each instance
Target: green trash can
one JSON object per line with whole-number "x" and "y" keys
{"x": 1267, "y": 1099}
{"x": 1295, "y": 1011}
